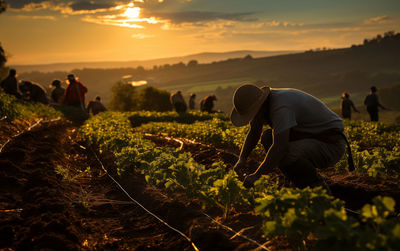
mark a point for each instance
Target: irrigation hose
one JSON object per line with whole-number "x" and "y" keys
{"x": 352, "y": 211}
{"x": 18, "y": 134}
{"x": 186, "y": 237}
{"x": 236, "y": 233}
{"x": 149, "y": 212}
{"x": 222, "y": 225}
{"x": 40, "y": 121}
{"x": 136, "y": 202}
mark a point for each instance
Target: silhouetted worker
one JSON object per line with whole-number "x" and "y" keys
{"x": 305, "y": 133}
{"x": 57, "y": 95}
{"x": 75, "y": 93}
{"x": 178, "y": 102}
{"x": 33, "y": 92}
{"x": 191, "y": 101}
{"x": 345, "y": 106}
{"x": 95, "y": 106}
{"x": 372, "y": 104}
{"x": 10, "y": 84}
{"x": 207, "y": 103}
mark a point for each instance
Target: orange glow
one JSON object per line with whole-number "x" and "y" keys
{"x": 132, "y": 12}
{"x": 138, "y": 83}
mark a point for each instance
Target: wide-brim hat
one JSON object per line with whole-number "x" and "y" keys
{"x": 247, "y": 101}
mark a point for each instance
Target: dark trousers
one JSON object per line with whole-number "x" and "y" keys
{"x": 180, "y": 107}
{"x": 302, "y": 172}
{"x": 373, "y": 113}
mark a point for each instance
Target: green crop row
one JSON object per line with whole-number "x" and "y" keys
{"x": 375, "y": 146}
{"x": 163, "y": 166}
{"x": 143, "y": 117}
{"x": 16, "y": 109}
{"x": 216, "y": 132}
{"x": 368, "y": 135}
{"x": 303, "y": 216}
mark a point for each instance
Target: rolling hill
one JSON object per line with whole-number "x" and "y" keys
{"x": 325, "y": 74}
{"x": 206, "y": 57}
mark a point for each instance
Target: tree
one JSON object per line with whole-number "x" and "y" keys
{"x": 3, "y": 6}
{"x": 192, "y": 63}
{"x": 3, "y": 58}
{"x": 248, "y": 57}
{"x": 123, "y": 97}
{"x": 126, "y": 97}
{"x": 153, "y": 99}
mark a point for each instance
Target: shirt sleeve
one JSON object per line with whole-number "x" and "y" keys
{"x": 282, "y": 119}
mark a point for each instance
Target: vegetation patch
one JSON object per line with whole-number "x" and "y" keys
{"x": 16, "y": 109}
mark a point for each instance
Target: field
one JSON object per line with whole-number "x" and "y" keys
{"x": 59, "y": 187}
{"x": 209, "y": 86}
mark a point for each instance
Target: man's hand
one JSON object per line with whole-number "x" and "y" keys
{"x": 250, "y": 179}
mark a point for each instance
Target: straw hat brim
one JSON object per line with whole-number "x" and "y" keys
{"x": 238, "y": 119}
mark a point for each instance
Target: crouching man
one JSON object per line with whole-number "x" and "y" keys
{"x": 305, "y": 134}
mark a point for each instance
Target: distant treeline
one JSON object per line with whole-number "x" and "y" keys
{"x": 323, "y": 73}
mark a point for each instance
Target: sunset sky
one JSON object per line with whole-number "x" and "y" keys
{"x": 47, "y": 31}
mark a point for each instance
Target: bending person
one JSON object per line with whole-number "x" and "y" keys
{"x": 305, "y": 135}
{"x": 95, "y": 106}
{"x": 33, "y": 92}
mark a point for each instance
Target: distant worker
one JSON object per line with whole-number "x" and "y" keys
{"x": 305, "y": 136}
{"x": 95, "y": 106}
{"x": 345, "y": 106}
{"x": 33, "y": 92}
{"x": 10, "y": 84}
{"x": 191, "y": 101}
{"x": 75, "y": 93}
{"x": 372, "y": 104}
{"x": 57, "y": 95}
{"x": 178, "y": 102}
{"x": 207, "y": 103}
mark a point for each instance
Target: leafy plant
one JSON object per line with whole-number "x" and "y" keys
{"x": 227, "y": 192}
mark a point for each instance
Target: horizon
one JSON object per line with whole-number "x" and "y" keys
{"x": 150, "y": 59}
{"x": 66, "y": 31}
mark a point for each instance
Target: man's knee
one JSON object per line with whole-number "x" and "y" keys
{"x": 267, "y": 139}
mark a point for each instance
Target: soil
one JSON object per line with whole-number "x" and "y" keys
{"x": 355, "y": 189}
{"x": 54, "y": 194}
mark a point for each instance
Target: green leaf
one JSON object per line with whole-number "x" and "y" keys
{"x": 389, "y": 203}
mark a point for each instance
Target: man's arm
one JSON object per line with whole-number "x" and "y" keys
{"x": 379, "y": 104}
{"x": 252, "y": 138}
{"x": 354, "y": 108}
{"x": 84, "y": 88}
{"x": 273, "y": 157}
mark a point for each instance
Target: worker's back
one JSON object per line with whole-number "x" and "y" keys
{"x": 95, "y": 107}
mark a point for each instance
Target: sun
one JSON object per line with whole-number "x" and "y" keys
{"x": 132, "y": 12}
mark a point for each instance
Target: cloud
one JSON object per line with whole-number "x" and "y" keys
{"x": 118, "y": 20}
{"x": 378, "y": 20}
{"x": 204, "y": 16}
{"x": 84, "y": 5}
{"x": 36, "y": 17}
{"x": 19, "y": 4}
{"x": 141, "y": 36}
{"x": 62, "y": 6}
